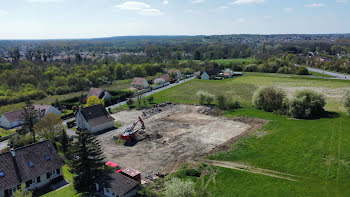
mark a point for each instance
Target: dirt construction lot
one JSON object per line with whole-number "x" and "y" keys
{"x": 174, "y": 134}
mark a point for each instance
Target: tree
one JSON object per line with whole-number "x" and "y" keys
{"x": 118, "y": 72}
{"x": 130, "y": 103}
{"x": 49, "y": 126}
{"x": 94, "y": 100}
{"x": 177, "y": 187}
{"x": 87, "y": 163}
{"x": 22, "y": 192}
{"x": 221, "y": 102}
{"x": 64, "y": 140}
{"x": 302, "y": 70}
{"x": 347, "y": 101}
{"x": 30, "y": 117}
{"x": 268, "y": 99}
{"x": 306, "y": 104}
{"x": 150, "y": 99}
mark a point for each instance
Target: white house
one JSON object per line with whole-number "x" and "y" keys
{"x": 35, "y": 165}
{"x": 178, "y": 74}
{"x": 15, "y": 118}
{"x": 205, "y": 76}
{"x": 94, "y": 119}
{"x": 140, "y": 83}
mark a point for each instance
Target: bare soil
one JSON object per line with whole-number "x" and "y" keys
{"x": 174, "y": 134}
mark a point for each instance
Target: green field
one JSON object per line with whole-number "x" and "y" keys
{"x": 4, "y": 132}
{"x": 243, "y": 88}
{"x": 316, "y": 150}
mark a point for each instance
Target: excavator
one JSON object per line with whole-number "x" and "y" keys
{"x": 129, "y": 134}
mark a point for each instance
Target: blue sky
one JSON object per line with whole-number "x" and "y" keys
{"x": 43, "y": 19}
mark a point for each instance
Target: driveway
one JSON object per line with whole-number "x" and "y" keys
{"x": 330, "y": 73}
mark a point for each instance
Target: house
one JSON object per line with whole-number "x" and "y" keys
{"x": 119, "y": 185}
{"x": 14, "y": 119}
{"x": 162, "y": 79}
{"x": 35, "y": 165}
{"x": 99, "y": 93}
{"x": 177, "y": 73}
{"x": 94, "y": 119}
{"x": 205, "y": 76}
{"x": 140, "y": 83}
{"x": 197, "y": 74}
{"x": 133, "y": 174}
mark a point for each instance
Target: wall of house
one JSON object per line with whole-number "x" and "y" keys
{"x": 2, "y": 193}
{"x": 54, "y": 110}
{"x": 107, "y": 193}
{"x": 17, "y": 123}
{"x": 205, "y": 76}
{"x": 102, "y": 127}
{"x": 4, "y": 122}
{"x": 81, "y": 122}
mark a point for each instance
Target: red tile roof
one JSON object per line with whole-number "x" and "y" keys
{"x": 94, "y": 92}
{"x": 165, "y": 77}
{"x": 138, "y": 81}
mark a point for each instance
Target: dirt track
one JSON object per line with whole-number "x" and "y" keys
{"x": 176, "y": 134}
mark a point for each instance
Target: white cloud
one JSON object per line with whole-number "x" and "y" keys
{"x": 240, "y": 2}
{"x": 288, "y": 10}
{"x": 165, "y": 2}
{"x": 150, "y": 12}
{"x": 44, "y": 1}
{"x": 197, "y": 1}
{"x": 315, "y": 5}
{"x": 133, "y": 5}
{"x": 142, "y": 8}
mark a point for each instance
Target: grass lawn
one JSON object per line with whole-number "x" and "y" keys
{"x": 4, "y": 132}
{"x": 67, "y": 191}
{"x": 243, "y": 88}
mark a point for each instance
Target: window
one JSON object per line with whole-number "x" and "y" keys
{"x": 58, "y": 171}
{"x": 38, "y": 179}
{"x": 47, "y": 157}
{"x": 31, "y": 164}
{"x": 2, "y": 173}
{"x": 48, "y": 175}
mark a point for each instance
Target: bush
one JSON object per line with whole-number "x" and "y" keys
{"x": 232, "y": 105}
{"x": 205, "y": 97}
{"x": 347, "y": 102}
{"x": 221, "y": 102}
{"x": 286, "y": 70}
{"x": 268, "y": 99}
{"x": 130, "y": 103}
{"x": 302, "y": 71}
{"x": 177, "y": 187}
{"x": 306, "y": 104}
{"x": 250, "y": 68}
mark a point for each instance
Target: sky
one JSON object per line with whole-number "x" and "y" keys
{"x": 59, "y": 19}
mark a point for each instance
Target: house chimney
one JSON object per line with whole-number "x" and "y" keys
{"x": 13, "y": 153}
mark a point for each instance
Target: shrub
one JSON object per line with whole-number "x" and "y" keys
{"x": 205, "y": 97}
{"x": 250, "y": 68}
{"x": 130, "y": 103}
{"x": 232, "y": 105}
{"x": 347, "y": 101}
{"x": 221, "y": 102}
{"x": 177, "y": 187}
{"x": 286, "y": 70}
{"x": 306, "y": 104}
{"x": 268, "y": 99}
{"x": 302, "y": 71}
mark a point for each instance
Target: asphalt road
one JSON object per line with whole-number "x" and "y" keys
{"x": 333, "y": 74}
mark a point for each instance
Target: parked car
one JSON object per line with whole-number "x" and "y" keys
{"x": 114, "y": 165}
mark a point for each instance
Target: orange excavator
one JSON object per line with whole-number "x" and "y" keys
{"x": 129, "y": 134}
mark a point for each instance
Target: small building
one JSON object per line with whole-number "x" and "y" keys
{"x": 133, "y": 174}
{"x": 227, "y": 74}
{"x": 197, "y": 74}
{"x": 35, "y": 165}
{"x": 162, "y": 79}
{"x": 205, "y": 76}
{"x": 15, "y": 118}
{"x": 94, "y": 119}
{"x": 177, "y": 74}
{"x": 119, "y": 185}
{"x": 99, "y": 93}
{"x": 140, "y": 83}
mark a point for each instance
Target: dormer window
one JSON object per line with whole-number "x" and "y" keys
{"x": 31, "y": 164}
{"x": 2, "y": 173}
{"x": 47, "y": 157}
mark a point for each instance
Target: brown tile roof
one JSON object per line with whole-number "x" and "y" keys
{"x": 17, "y": 115}
{"x": 94, "y": 92}
{"x": 96, "y": 115}
{"x": 138, "y": 81}
{"x": 121, "y": 184}
{"x": 165, "y": 77}
{"x": 173, "y": 71}
{"x": 17, "y": 169}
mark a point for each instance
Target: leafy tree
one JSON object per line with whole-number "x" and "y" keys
{"x": 18, "y": 141}
{"x": 22, "y": 192}
{"x": 87, "y": 163}
{"x": 177, "y": 187}
{"x": 49, "y": 126}
{"x": 302, "y": 71}
{"x": 94, "y": 100}
{"x": 130, "y": 103}
{"x": 347, "y": 101}
{"x": 64, "y": 140}
{"x": 150, "y": 99}
{"x": 118, "y": 72}
{"x": 306, "y": 104}
{"x": 221, "y": 102}
{"x": 268, "y": 99}
{"x": 30, "y": 117}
